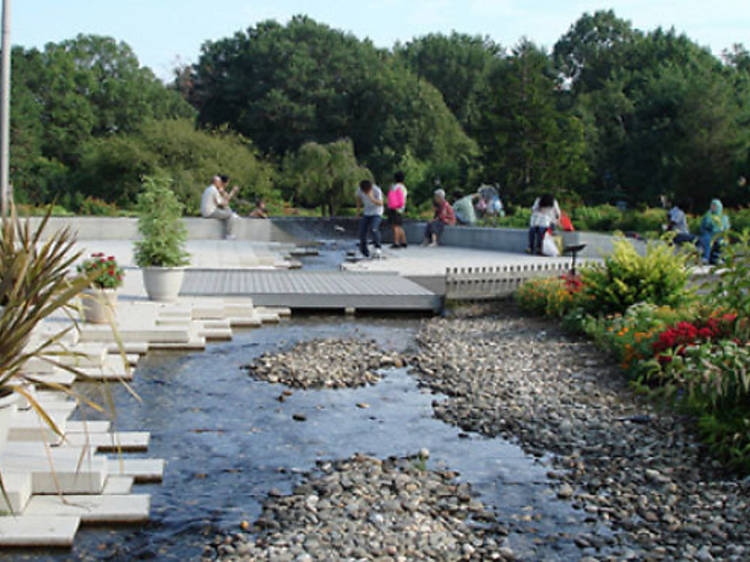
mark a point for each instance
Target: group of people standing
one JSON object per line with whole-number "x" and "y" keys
{"x": 371, "y": 203}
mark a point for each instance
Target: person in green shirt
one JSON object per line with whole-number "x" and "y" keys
{"x": 463, "y": 208}
{"x": 713, "y": 224}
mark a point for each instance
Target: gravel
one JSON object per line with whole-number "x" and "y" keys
{"x": 325, "y": 363}
{"x": 615, "y": 457}
{"x": 363, "y": 508}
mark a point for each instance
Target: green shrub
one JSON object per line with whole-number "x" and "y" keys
{"x": 98, "y": 207}
{"x": 160, "y": 225}
{"x": 626, "y": 278}
{"x": 605, "y": 218}
{"x": 553, "y": 297}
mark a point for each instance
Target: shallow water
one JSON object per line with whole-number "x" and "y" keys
{"x": 228, "y": 441}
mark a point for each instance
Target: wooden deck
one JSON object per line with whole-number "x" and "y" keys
{"x": 313, "y": 289}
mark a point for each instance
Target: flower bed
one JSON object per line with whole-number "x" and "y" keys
{"x": 695, "y": 355}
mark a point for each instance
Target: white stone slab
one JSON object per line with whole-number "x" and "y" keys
{"x": 153, "y": 334}
{"x": 143, "y": 470}
{"x": 222, "y": 334}
{"x": 81, "y": 426}
{"x": 67, "y": 473}
{"x": 58, "y": 376}
{"x": 18, "y": 489}
{"x": 37, "y": 531}
{"x": 239, "y": 310}
{"x": 107, "y": 508}
{"x": 134, "y": 347}
{"x": 118, "y": 485}
{"x": 245, "y": 322}
{"x": 195, "y": 344}
{"x": 129, "y": 441}
{"x": 27, "y": 425}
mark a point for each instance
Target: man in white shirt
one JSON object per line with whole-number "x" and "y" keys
{"x": 215, "y": 204}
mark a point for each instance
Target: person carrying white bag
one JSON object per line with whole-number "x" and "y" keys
{"x": 545, "y": 214}
{"x": 549, "y": 247}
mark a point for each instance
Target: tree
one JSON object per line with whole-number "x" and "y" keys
{"x": 324, "y": 175}
{"x": 69, "y": 93}
{"x": 528, "y": 144}
{"x": 283, "y": 86}
{"x": 589, "y": 50}
{"x": 112, "y": 167}
{"x": 458, "y": 65}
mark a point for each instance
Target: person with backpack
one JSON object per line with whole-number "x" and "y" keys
{"x": 396, "y": 205}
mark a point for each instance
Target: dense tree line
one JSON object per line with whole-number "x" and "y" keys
{"x": 299, "y": 110}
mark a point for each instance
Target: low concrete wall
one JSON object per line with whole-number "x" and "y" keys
{"x": 305, "y": 229}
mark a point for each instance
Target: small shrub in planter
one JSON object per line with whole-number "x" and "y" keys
{"x": 104, "y": 272}
{"x": 161, "y": 251}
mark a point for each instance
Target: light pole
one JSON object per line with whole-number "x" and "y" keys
{"x": 5, "y": 109}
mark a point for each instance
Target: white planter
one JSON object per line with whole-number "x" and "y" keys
{"x": 99, "y": 305}
{"x": 8, "y": 408}
{"x": 163, "y": 283}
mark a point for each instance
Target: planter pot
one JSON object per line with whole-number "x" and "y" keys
{"x": 8, "y": 408}
{"x": 163, "y": 283}
{"x": 99, "y": 305}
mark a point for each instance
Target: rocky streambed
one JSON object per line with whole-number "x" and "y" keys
{"x": 615, "y": 457}
{"x": 362, "y": 508}
{"x": 636, "y": 476}
{"x": 325, "y": 363}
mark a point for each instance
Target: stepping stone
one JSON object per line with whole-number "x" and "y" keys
{"x": 266, "y": 316}
{"x": 38, "y": 531}
{"x": 58, "y": 376}
{"x": 143, "y": 470}
{"x": 126, "y": 441}
{"x": 154, "y": 334}
{"x": 239, "y": 310}
{"x": 118, "y": 485}
{"x": 86, "y": 355}
{"x": 27, "y": 425}
{"x": 245, "y": 322}
{"x": 216, "y": 334}
{"x": 68, "y": 473}
{"x": 174, "y": 321}
{"x": 18, "y": 489}
{"x": 222, "y": 324}
{"x": 110, "y": 508}
{"x": 80, "y": 426}
{"x": 134, "y": 347}
{"x": 194, "y": 344}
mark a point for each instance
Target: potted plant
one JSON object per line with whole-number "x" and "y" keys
{"x": 161, "y": 251}
{"x": 99, "y": 302}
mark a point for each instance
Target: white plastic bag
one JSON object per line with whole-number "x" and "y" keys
{"x": 549, "y": 248}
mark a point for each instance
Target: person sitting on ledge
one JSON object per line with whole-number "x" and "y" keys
{"x": 260, "y": 210}
{"x": 443, "y": 216}
{"x": 713, "y": 226}
{"x": 215, "y": 204}
{"x": 464, "y": 210}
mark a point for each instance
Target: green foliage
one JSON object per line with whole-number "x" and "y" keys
{"x": 112, "y": 167}
{"x": 283, "y": 86}
{"x": 626, "y": 278}
{"x": 70, "y": 93}
{"x": 104, "y": 271}
{"x": 732, "y": 289}
{"x": 547, "y": 297}
{"x": 528, "y": 143}
{"x": 163, "y": 234}
{"x": 324, "y": 175}
{"x": 98, "y": 207}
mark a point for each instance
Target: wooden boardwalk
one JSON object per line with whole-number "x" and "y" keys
{"x": 313, "y": 289}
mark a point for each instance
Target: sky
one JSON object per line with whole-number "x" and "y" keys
{"x": 165, "y": 33}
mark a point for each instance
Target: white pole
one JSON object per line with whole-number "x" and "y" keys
{"x": 5, "y": 109}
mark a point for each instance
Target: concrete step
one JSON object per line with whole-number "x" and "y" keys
{"x": 155, "y": 334}
{"x": 194, "y": 344}
{"x": 58, "y": 376}
{"x": 106, "y": 508}
{"x": 18, "y": 489}
{"x": 127, "y": 441}
{"x": 118, "y": 485}
{"x": 140, "y": 348}
{"x": 27, "y": 425}
{"x": 38, "y": 531}
{"x": 59, "y": 470}
{"x": 142, "y": 470}
{"x": 245, "y": 322}
{"x": 88, "y": 426}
